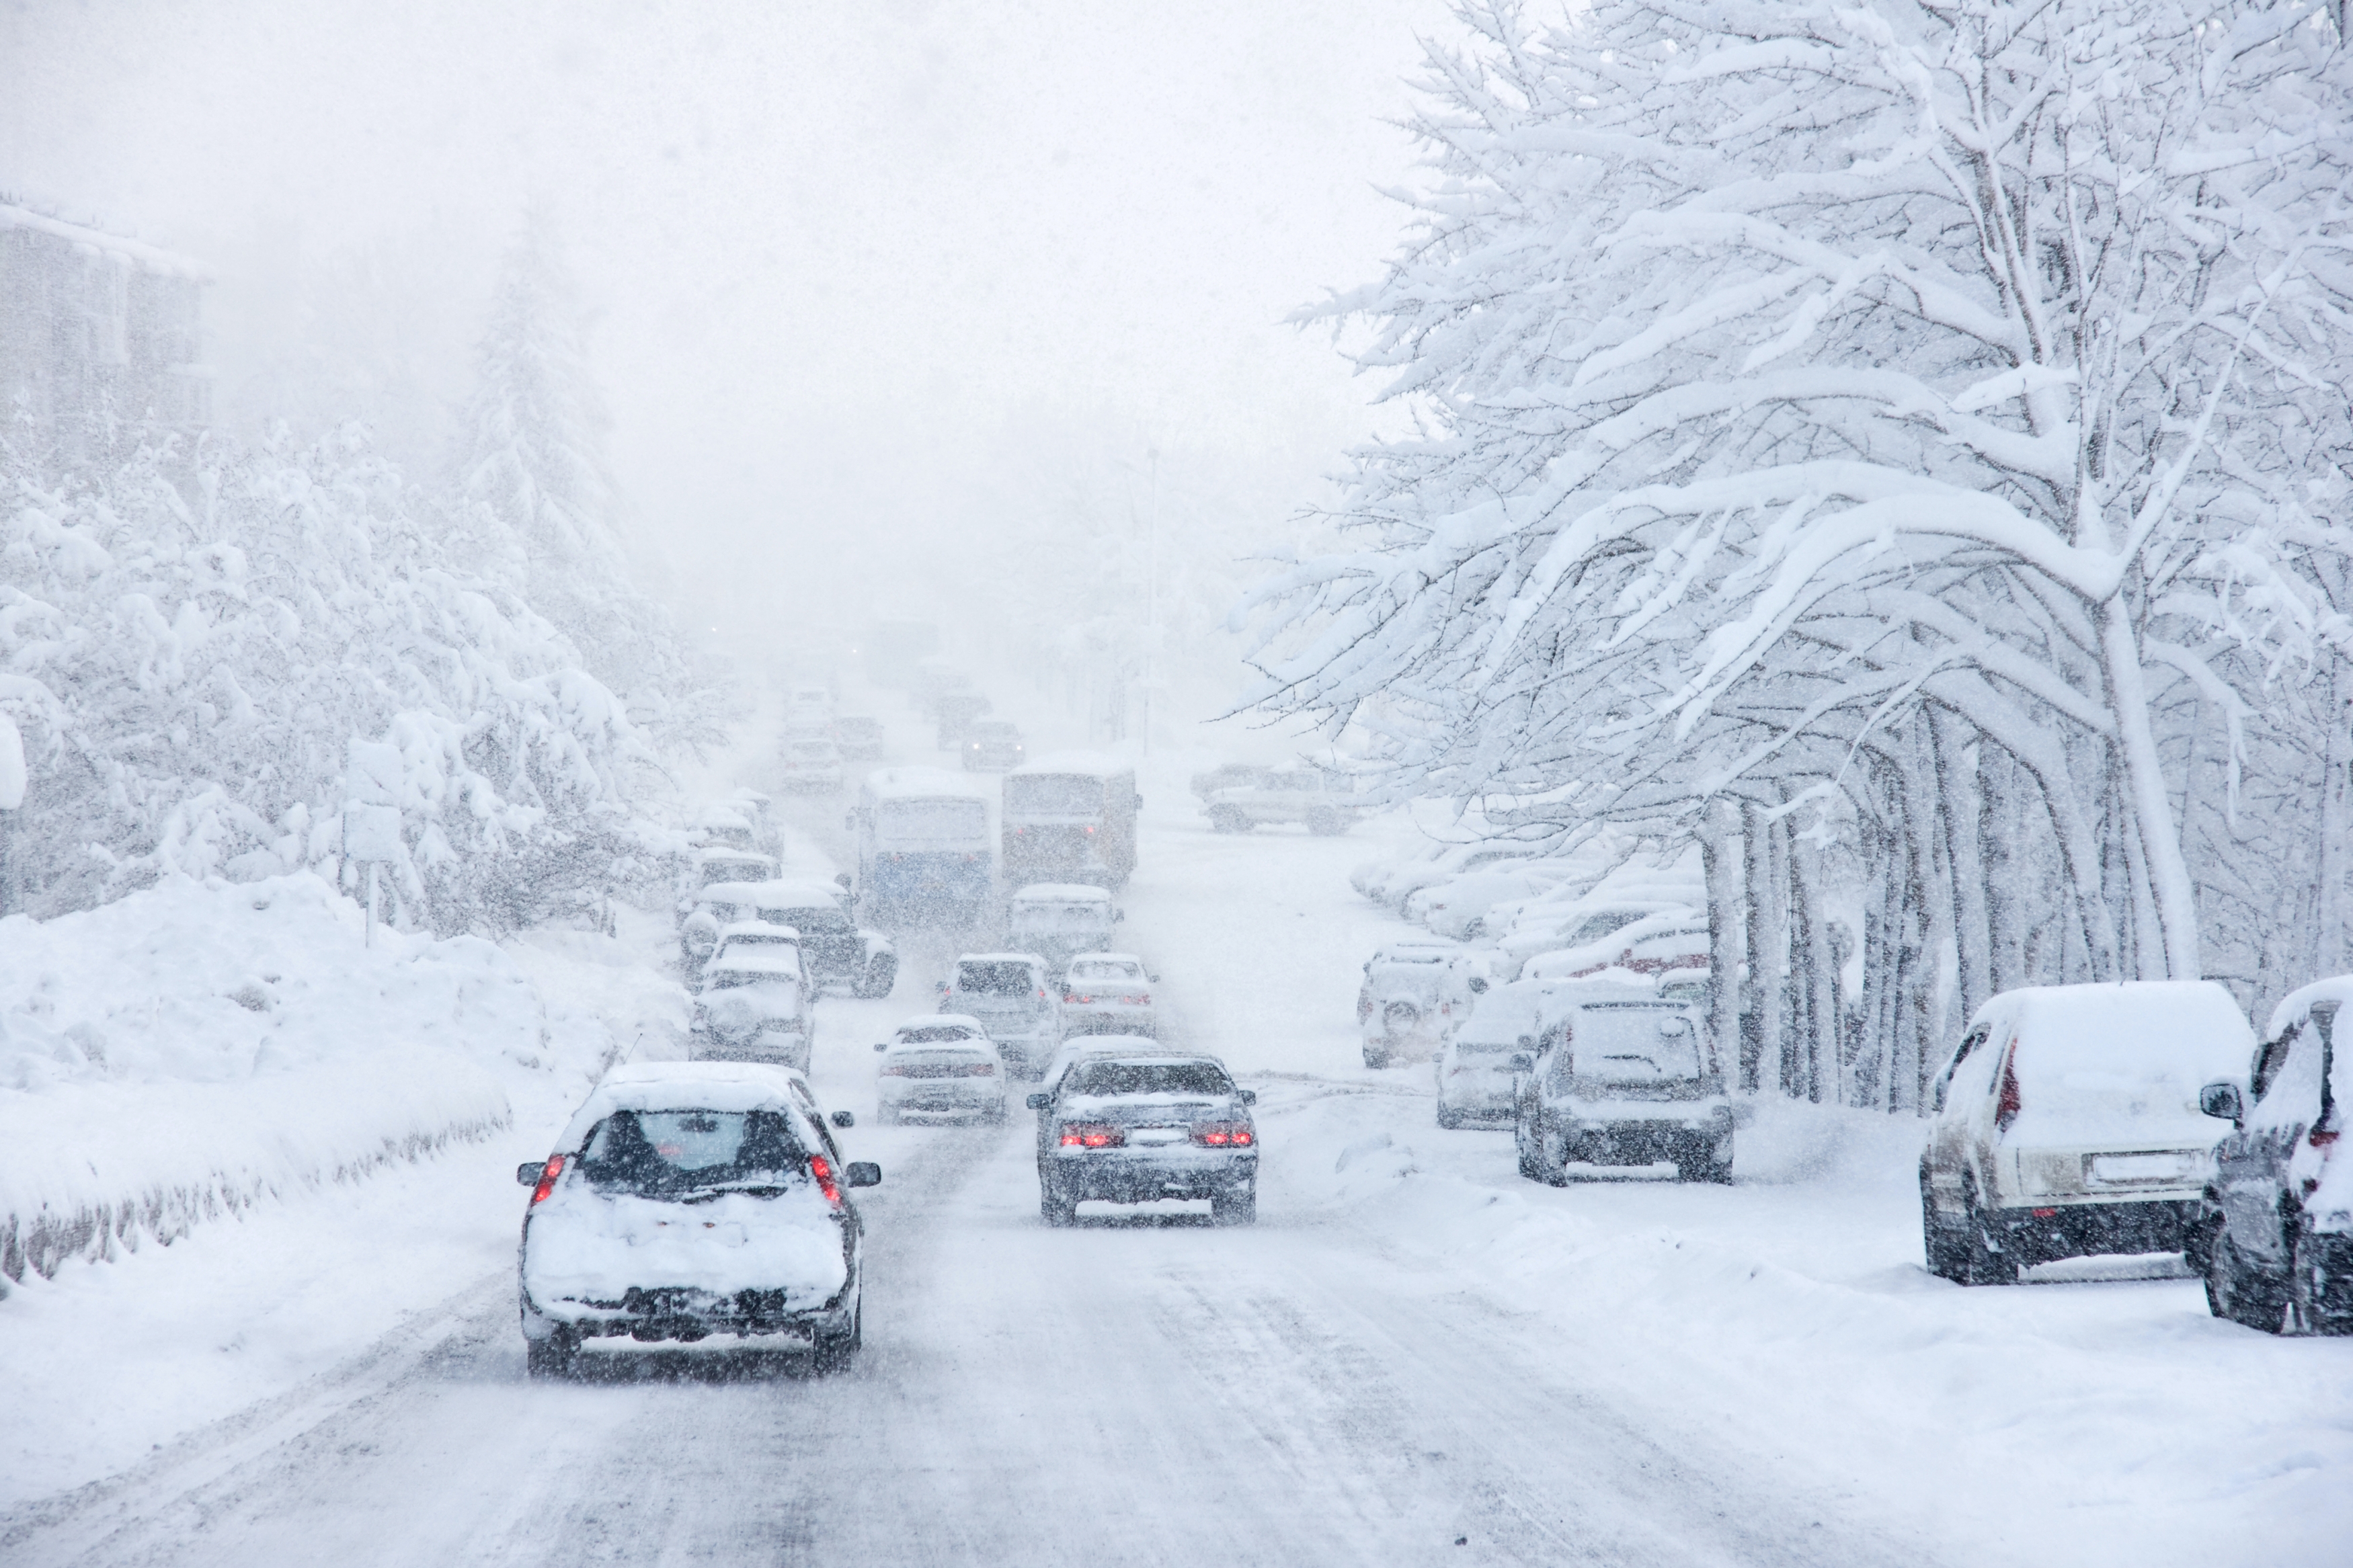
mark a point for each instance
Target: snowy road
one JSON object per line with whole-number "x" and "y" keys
{"x": 1153, "y": 1393}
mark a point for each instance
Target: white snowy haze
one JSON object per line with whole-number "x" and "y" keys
{"x": 877, "y": 288}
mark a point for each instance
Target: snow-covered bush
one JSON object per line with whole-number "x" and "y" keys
{"x": 1901, "y": 447}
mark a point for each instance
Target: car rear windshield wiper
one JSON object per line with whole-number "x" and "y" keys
{"x": 704, "y": 1194}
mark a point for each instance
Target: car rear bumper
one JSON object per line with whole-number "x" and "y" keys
{"x": 945, "y": 1097}
{"x": 2045, "y": 1232}
{"x": 1134, "y": 1176}
{"x": 681, "y": 1316}
{"x": 1077, "y": 1020}
{"x": 787, "y": 1050}
{"x": 1648, "y": 1142}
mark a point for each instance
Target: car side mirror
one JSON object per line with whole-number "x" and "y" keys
{"x": 528, "y": 1174}
{"x": 845, "y": 1119}
{"x": 2221, "y": 1101}
{"x": 842, "y": 879}
{"x": 1153, "y": 978}
{"x": 1247, "y": 1096}
{"x": 1526, "y": 1042}
{"x": 1522, "y": 1062}
{"x": 882, "y": 1045}
{"x": 1478, "y": 986}
{"x": 862, "y": 1173}
{"x": 1038, "y": 1101}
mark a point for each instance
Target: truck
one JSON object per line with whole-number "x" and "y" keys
{"x": 1070, "y": 818}
{"x": 926, "y": 856}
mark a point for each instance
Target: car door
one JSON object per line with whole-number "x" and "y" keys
{"x": 1947, "y": 1157}
{"x": 2250, "y": 1164}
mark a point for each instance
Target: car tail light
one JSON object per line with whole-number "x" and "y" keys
{"x": 1143, "y": 1001}
{"x": 1225, "y": 1134}
{"x": 1069, "y": 996}
{"x": 1093, "y": 1135}
{"x": 891, "y": 1072}
{"x": 822, "y": 1170}
{"x": 547, "y": 1178}
{"x": 2321, "y": 1137}
{"x": 2006, "y": 1111}
{"x": 979, "y": 1070}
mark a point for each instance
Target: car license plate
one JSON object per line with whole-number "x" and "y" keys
{"x": 2143, "y": 1170}
{"x": 1157, "y": 1135}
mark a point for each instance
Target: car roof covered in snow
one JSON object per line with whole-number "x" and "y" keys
{"x": 1063, "y": 892}
{"x": 1610, "y": 985}
{"x": 685, "y": 1086}
{"x": 999, "y": 958}
{"x": 2298, "y": 1004}
{"x": 706, "y": 855}
{"x": 771, "y": 894}
{"x": 1097, "y": 765}
{"x": 975, "y": 1033}
{"x": 762, "y": 930}
{"x": 787, "y": 891}
{"x": 1107, "y": 958}
{"x": 742, "y": 962}
{"x": 922, "y": 784}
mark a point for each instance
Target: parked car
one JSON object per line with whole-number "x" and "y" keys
{"x": 810, "y": 765}
{"x": 1392, "y": 882}
{"x": 1059, "y": 921}
{"x": 1139, "y": 1127}
{"x": 1588, "y": 930}
{"x": 2275, "y": 1232}
{"x": 939, "y": 1064}
{"x": 1476, "y": 1079}
{"x": 753, "y": 1007}
{"x": 1228, "y": 775}
{"x": 1632, "y": 1078}
{"x": 993, "y": 745}
{"x": 1414, "y": 995}
{"x": 1008, "y": 992}
{"x": 1457, "y": 907}
{"x": 1107, "y": 993}
{"x": 723, "y": 863}
{"x": 835, "y": 948}
{"x": 1323, "y": 799}
{"x": 1668, "y": 941}
{"x": 2067, "y": 1122}
{"x": 860, "y": 736}
{"x": 691, "y": 1199}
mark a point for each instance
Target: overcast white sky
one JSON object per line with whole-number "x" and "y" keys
{"x": 846, "y": 261}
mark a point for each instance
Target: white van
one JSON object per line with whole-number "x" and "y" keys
{"x": 2067, "y": 1124}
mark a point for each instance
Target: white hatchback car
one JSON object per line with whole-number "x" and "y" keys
{"x": 1107, "y": 993}
{"x": 687, "y": 1200}
{"x": 940, "y": 1063}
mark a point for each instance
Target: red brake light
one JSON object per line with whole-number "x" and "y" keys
{"x": 1225, "y": 1134}
{"x": 823, "y": 1171}
{"x": 547, "y": 1178}
{"x": 2006, "y": 1111}
{"x": 1093, "y": 1135}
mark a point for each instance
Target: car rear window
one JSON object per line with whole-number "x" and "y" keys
{"x": 1628, "y": 1044}
{"x": 1148, "y": 1077}
{"x": 996, "y": 979}
{"x": 934, "y": 1033}
{"x": 659, "y": 1153}
{"x": 1098, "y": 970}
{"x": 728, "y": 978}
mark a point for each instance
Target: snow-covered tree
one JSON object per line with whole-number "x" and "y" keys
{"x": 1924, "y": 420}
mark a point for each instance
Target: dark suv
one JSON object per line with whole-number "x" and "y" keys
{"x": 2275, "y": 1236}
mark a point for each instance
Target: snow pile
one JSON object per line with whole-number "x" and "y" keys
{"x": 185, "y": 1050}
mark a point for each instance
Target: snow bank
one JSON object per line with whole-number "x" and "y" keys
{"x": 190, "y": 1049}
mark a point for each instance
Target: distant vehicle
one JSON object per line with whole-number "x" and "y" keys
{"x": 810, "y": 765}
{"x": 1324, "y": 800}
{"x": 1475, "y": 1076}
{"x": 994, "y": 744}
{"x": 1588, "y": 933}
{"x": 728, "y": 827}
{"x": 1457, "y": 907}
{"x": 1671, "y": 940}
{"x": 860, "y": 736}
{"x": 957, "y": 711}
{"x": 1107, "y": 993}
{"x": 1137, "y": 1128}
{"x": 1070, "y": 818}
{"x": 2068, "y": 1123}
{"x": 1008, "y": 992}
{"x": 893, "y": 649}
{"x": 925, "y": 854}
{"x": 708, "y": 911}
{"x": 1392, "y": 882}
{"x": 933, "y": 679}
{"x": 1059, "y": 921}
{"x": 759, "y": 938}
{"x": 835, "y": 948}
{"x": 1228, "y": 775}
{"x": 809, "y": 702}
{"x": 721, "y": 863}
{"x": 1415, "y": 994}
{"x": 1632, "y": 1081}
{"x": 753, "y": 1007}
{"x": 2275, "y": 1233}
{"x": 691, "y": 1199}
{"x": 939, "y": 1065}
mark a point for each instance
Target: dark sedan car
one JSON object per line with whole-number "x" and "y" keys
{"x": 1139, "y": 1127}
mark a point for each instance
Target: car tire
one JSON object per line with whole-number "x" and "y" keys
{"x": 1229, "y": 819}
{"x": 1375, "y": 1057}
{"x": 1983, "y": 1262}
{"x": 1239, "y": 1206}
{"x": 2308, "y": 1310}
{"x": 1552, "y": 1157}
{"x": 1451, "y": 1120}
{"x": 1056, "y": 1210}
{"x": 1944, "y": 1244}
{"x": 2242, "y": 1294}
{"x": 1702, "y": 1165}
{"x": 834, "y": 1353}
{"x": 552, "y": 1356}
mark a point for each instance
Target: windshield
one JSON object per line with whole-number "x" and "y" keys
{"x": 1002, "y": 978}
{"x": 1148, "y": 1077}
{"x": 1062, "y": 917}
{"x": 1628, "y": 1044}
{"x": 920, "y": 824}
{"x": 826, "y": 919}
{"x": 1055, "y": 794}
{"x": 661, "y": 1152}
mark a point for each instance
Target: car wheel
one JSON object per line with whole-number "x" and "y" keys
{"x": 1552, "y": 1157}
{"x": 2241, "y": 1294}
{"x": 1229, "y": 819}
{"x": 2309, "y": 1308}
{"x": 1239, "y": 1206}
{"x": 834, "y": 1353}
{"x": 1450, "y": 1120}
{"x": 1055, "y": 1209}
{"x": 1376, "y": 1056}
{"x": 1983, "y": 1262}
{"x": 552, "y": 1356}
{"x": 1943, "y": 1243}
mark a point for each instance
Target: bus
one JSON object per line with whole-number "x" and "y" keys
{"x": 1070, "y": 818}
{"x": 925, "y": 854}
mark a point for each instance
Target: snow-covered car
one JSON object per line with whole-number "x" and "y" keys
{"x": 1475, "y": 1075}
{"x": 1107, "y": 993}
{"x": 1139, "y": 1127}
{"x": 1393, "y": 882}
{"x": 1580, "y": 928}
{"x": 1059, "y": 921}
{"x": 1631, "y": 1079}
{"x": 691, "y": 1199}
{"x": 994, "y": 745}
{"x": 809, "y": 763}
{"x": 2275, "y": 1237}
{"x": 1667, "y": 941}
{"x": 727, "y": 826}
{"x": 860, "y": 736}
{"x": 1008, "y": 992}
{"x": 939, "y": 1064}
{"x": 1414, "y": 995}
{"x": 2068, "y": 1123}
{"x": 747, "y": 938}
{"x": 1226, "y": 775}
{"x": 1457, "y": 906}
{"x": 724, "y": 863}
{"x": 835, "y": 948}
{"x": 753, "y": 1007}
{"x": 1322, "y": 799}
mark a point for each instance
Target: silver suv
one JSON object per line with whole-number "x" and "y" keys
{"x": 1135, "y": 1127}
{"x": 1633, "y": 1081}
{"x": 1016, "y": 1000}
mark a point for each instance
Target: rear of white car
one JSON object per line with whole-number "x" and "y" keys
{"x": 942, "y": 1068}
{"x": 1008, "y": 992}
{"x": 754, "y": 1008}
{"x": 686, "y": 1202}
{"x": 1107, "y": 993}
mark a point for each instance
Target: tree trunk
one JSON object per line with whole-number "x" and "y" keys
{"x": 2152, "y": 808}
